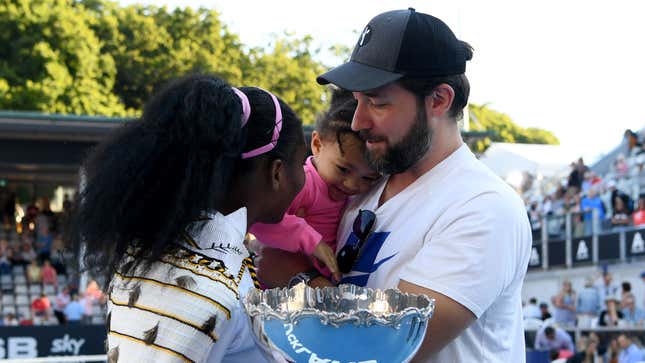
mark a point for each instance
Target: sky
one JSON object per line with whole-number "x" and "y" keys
{"x": 573, "y": 67}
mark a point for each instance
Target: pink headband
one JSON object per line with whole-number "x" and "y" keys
{"x": 246, "y": 113}
{"x": 246, "y": 106}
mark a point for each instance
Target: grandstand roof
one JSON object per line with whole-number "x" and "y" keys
{"x": 547, "y": 160}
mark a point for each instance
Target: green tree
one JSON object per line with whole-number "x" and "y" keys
{"x": 289, "y": 70}
{"x": 51, "y": 61}
{"x": 483, "y": 118}
{"x": 151, "y": 45}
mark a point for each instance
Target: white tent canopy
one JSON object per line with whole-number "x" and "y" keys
{"x": 537, "y": 159}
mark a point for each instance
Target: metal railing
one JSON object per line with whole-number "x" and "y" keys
{"x": 576, "y": 239}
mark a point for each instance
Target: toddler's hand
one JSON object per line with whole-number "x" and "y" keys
{"x": 327, "y": 256}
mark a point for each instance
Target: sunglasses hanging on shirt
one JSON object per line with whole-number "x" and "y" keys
{"x": 363, "y": 225}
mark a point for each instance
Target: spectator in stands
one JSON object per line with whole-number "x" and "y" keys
{"x": 535, "y": 217}
{"x": 544, "y": 311}
{"x": 87, "y": 302}
{"x": 606, "y": 286}
{"x": 632, "y": 141}
{"x": 93, "y": 291}
{"x": 48, "y": 214}
{"x": 41, "y": 307}
{"x": 49, "y": 275}
{"x": 558, "y": 204}
{"x": 612, "y": 315}
{"x": 621, "y": 216}
{"x": 555, "y": 357}
{"x": 586, "y": 348}
{"x": 625, "y": 293}
{"x": 74, "y": 311}
{"x": 60, "y": 303}
{"x": 565, "y": 305}
{"x": 588, "y": 303}
{"x": 615, "y": 192}
{"x": 58, "y": 257}
{"x": 27, "y": 254}
{"x": 10, "y": 320}
{"x": 574, "y": 181}
{"x": 34, "y": 273}
{"x": 639, "y": 214}
{"x": 29, "y": 219}
{"x": 5, "y": 255}
{"x": 591, "y": 203}
{"x": 631, "y": 313}
{"x": 550, "y": 337}
{"x": 610, "y": 352}
{"x": 572, "y": 205}
{"x": 586, "y": 182}
{"x": 45, "y": 239}
{"x": 532, "y": 310}
{"x": 629, "y": 353}
{"x": 621, "y": 166}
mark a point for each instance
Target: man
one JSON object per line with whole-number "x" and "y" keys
{"x": 629, "y": 351}
{"x": 74, "y": 311}
{"x": 544, "y": 311}
{"x": 446, "y": 226}
{"x": 606, "y": 287}
{"x": 588, "y": 304}
{"x": 632, "y": 314}
{"x": 531, "y": 310}
{"x": 550, "y": 338}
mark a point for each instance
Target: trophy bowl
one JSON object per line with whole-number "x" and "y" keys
{"x": 340, "y": 324}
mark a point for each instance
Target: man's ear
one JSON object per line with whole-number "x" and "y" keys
{"x": 316, "y": 143}
{"x": 278, "y": 174}
{"x": 438, "y": 103}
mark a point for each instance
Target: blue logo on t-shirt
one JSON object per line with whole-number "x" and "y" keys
{"x": 366, "y": 264}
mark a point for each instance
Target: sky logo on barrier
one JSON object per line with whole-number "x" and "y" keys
{"x": 67, "y": 345}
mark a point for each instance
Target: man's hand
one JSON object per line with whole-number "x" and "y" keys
{"x": 326, "y": 255}
{"x": 448, "y": 321}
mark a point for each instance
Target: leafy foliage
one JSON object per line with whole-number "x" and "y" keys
{"x": 483, "y": 118}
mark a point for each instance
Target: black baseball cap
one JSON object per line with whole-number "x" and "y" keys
{"x": 396, "y": 44}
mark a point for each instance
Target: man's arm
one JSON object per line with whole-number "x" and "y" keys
{"x": 448, "y": 321}
{"x": 568, "y": 342}
{"x": 537, "y": 345}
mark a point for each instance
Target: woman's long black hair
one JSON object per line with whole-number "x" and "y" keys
{"x": 151, "y": 177}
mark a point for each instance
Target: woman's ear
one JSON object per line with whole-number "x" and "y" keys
{"x": 278, "y": 174}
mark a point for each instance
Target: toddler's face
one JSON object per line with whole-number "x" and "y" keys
{"x": 343, "y": 167}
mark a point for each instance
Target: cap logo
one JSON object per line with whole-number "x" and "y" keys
{"x": 365, "y": 36}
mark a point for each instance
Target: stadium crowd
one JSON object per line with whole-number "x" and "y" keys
{"x": 37, "y": 285}
{"x": 615, "y": 196}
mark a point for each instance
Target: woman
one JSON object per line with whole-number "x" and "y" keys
{"x": 565, "y": 305}
{"x": 164, "y": 207}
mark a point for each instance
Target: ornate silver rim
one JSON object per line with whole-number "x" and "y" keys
{"x": 338, "y": 305}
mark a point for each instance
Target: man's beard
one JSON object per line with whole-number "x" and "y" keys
{"x": 407, "y": 152}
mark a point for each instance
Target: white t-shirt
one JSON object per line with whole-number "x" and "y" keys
{"x": 458, "y": 230}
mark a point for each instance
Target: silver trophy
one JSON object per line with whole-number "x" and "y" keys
{"x": 343, "y": 324}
